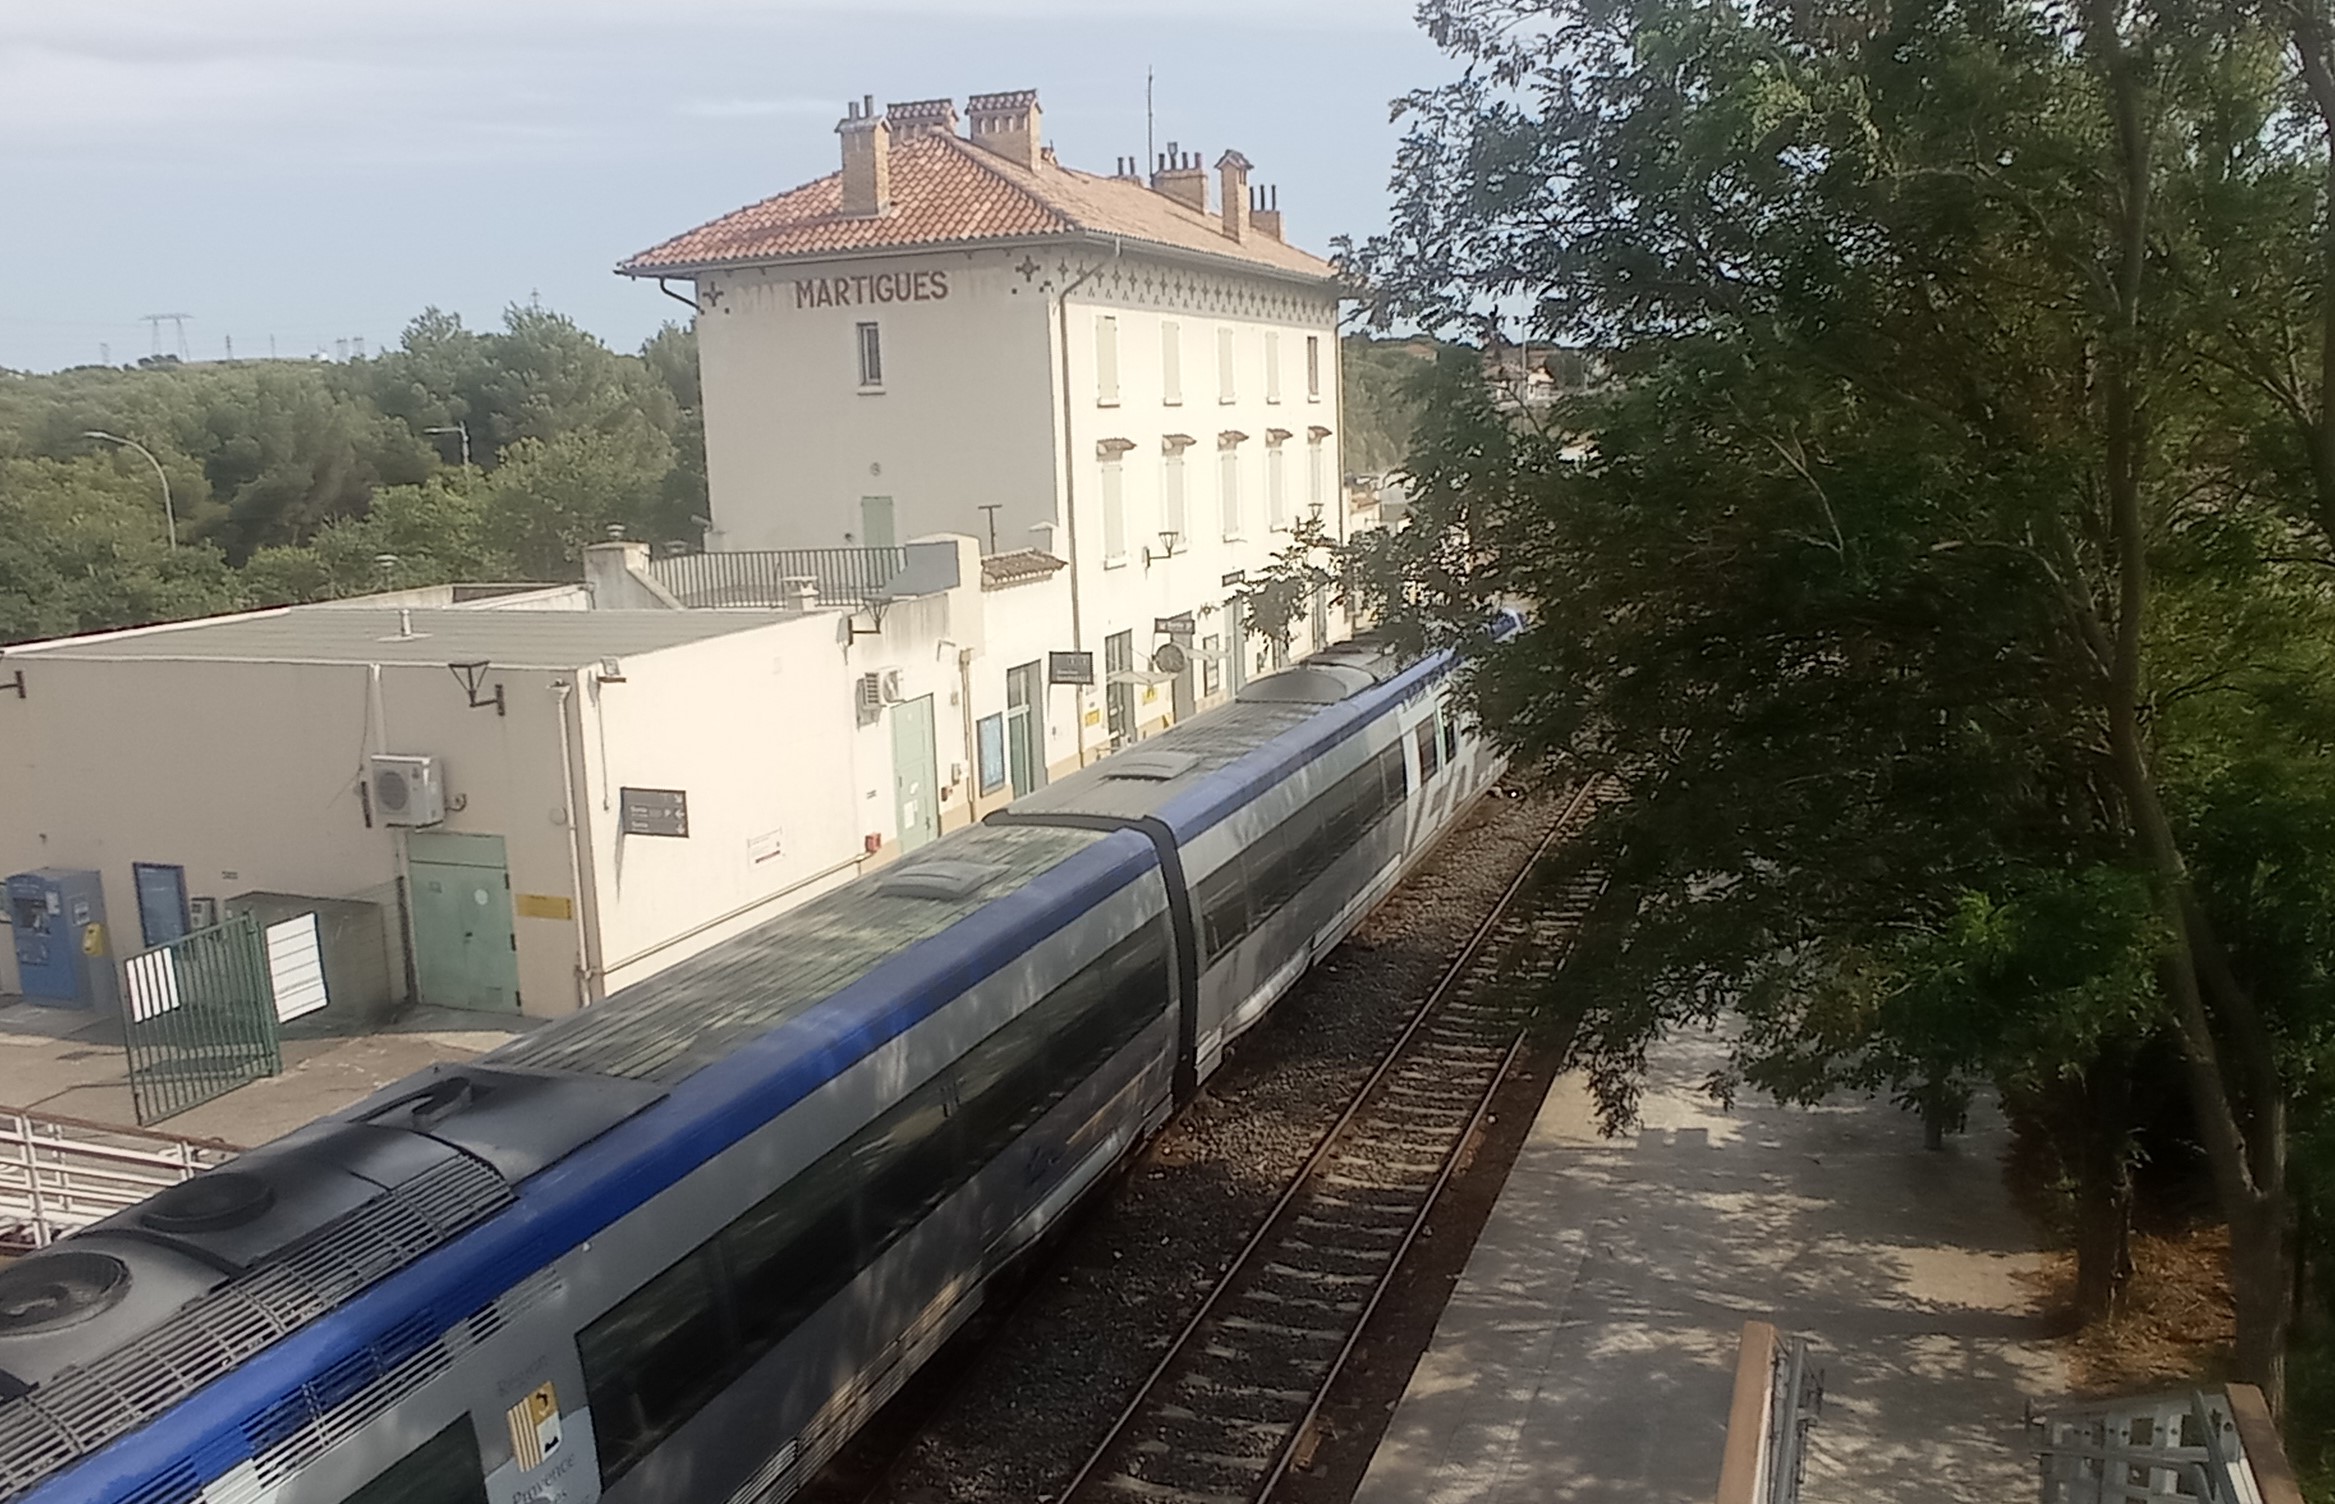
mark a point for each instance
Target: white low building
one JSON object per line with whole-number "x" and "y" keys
{"x": 955, "y": 332}
{"x": 616, "y": 788}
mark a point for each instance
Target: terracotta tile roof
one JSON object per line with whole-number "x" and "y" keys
{"x": 947, "y": 191}
{"x": 1018, "y": 566}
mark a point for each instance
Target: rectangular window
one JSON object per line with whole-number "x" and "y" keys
{"x": 989, "y": 733}
{"x": 1276, "y": 497}
{"x": 446, "y": 1469}
{"x": 1450, "y": 720}
{"x": 1106, "y": 360}
{"x": 659, "y": 1355}
{"x": 871, "y": 356}
{"x": 1114, "y": 512}
{"x": 1272, "y": 367}
{"x": 1282, "y": 862}
{"x": 1211, "y": 670}
{"x": 1171, "y": 495}
{"x": 1317, "y": 473}
{"x": 1428, "y": 761}
{"x": 1225, "y": 369}
{"x": 1118, "y": 693}
{"x": 1228, "y": 489}
{"x": 1171, "y": 364}
{"x": 1313, "y": 368}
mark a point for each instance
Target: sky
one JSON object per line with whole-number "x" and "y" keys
{"x": 296, "y": 173}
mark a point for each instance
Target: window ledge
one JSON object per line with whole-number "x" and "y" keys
{"x": 1106, "y": 402}
{"x": 871, "y": 391}
{"x": 1114, "y": 561}
{"x": 1171, "y": 402}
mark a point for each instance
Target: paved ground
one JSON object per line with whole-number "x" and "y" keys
{"x": 58, "y": 1061}
{"x": 1588, "y": 1353}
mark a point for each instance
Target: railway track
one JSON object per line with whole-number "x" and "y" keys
{"x": 1223, "y": 1414}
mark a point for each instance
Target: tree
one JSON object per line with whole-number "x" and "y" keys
{"x": 1906, "y": 530}
{"x": 83, "y": 547}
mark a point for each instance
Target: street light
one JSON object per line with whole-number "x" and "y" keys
{"x": 462, "y": 429}
{"x": 168, "y": 511}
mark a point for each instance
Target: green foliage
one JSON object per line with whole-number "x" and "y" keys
{"x": 82, "y": 547}
{"x": 1381, "y": 390}
{"x": 1943, "y": 566}
{"x": 292, "y": 479}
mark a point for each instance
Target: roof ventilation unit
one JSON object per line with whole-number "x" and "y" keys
{"x": 406, "y": 790}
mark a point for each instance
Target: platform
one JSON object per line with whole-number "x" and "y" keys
{"x": 1588, "y": 1351}
{"x": 68, "y": 1063}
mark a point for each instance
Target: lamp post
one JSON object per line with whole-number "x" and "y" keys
{"x": 462, "y": 429}
{"x": 169, "y": 512}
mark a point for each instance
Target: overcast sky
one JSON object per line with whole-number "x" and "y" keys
{"x": 313, "y": 170}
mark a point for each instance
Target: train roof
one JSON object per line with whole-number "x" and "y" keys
{"x": 234, "y": 1284}
{"x": 693, "y": 1013}
{"x": 1162, "y": 775}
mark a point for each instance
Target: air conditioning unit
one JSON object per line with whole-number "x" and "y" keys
{"x": 877, "y": 688}
{"x": 406, "y": 790}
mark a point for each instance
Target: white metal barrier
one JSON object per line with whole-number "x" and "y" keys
{"x": 2196, "y": 1446}
{"x": 58, "y": 1174}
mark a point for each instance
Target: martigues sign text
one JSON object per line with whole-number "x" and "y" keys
{"x": 872, "y": 287}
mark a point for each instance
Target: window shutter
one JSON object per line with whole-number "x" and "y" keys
{"x": 1224, "y": 366}
{"x": 1106, "y": 359}
{"x": 1171, "y": 364}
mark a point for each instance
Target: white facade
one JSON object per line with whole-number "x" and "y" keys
{"x": 243, "y": 762}
{"x": 1202, "y": 421}
{"x": 1148, "y": 391}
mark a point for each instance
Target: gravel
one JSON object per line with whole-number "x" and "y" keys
{"x": 1014, "y": 1417}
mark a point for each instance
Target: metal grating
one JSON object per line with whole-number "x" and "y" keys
{"x": 692, "y": 1014}
{"x": 83, "y": 1408}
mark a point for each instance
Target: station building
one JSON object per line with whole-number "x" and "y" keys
{"x": 994, "y": 444}
{"x": 590, "y": 784}
{"x": 956, "y": 332}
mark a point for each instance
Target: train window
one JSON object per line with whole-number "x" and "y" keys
{"x": 1392, "y": 777}
{"x": 1223, "y": 900}
{"x": 650, "y": 1363}
{"x": 656, "y": 1359}
{"x": 1450, "y": 734}
{"x": 443, "y": 1470}
{"x": 1427, "y": 749}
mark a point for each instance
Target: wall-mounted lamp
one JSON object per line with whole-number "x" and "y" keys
{"x": 876, "y": 607}
{"x": 470, "y": 676}
{"x": 1167, "y": 548}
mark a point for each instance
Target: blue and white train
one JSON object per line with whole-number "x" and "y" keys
{"x": 677, "y": 1247}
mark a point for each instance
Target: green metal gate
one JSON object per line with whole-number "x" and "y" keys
{"x": 199, "y": 1018}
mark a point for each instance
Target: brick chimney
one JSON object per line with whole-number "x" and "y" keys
{"x": 1007, "y": 124}
{"x": 1180, "y": 176}
{"x": 1233, "y": 170}
{"x": 919, "y": 117}
{"x": 1265, "y": 212}
{"x": 867, "y": 159}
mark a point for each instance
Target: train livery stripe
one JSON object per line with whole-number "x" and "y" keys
{"x": 617, "y": 1173}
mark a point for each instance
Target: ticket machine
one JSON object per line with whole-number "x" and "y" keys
{"x": 64, "y": 958}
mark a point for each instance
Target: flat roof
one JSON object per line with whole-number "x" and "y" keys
{"x": 512, "y": 639}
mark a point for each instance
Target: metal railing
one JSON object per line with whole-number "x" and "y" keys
{"x": 58, "y": 1175}
{"x": 2198, "y": 1446}
{"x": 780, "y": 578}
{"x": 199, "y": 1018}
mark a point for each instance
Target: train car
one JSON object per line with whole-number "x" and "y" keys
{"x": 679, "y": 1246}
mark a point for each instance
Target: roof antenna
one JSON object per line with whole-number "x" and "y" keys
{"x": 1150, "y": 150}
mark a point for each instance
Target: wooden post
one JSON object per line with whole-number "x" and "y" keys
{"x": 1743, "y": 1468}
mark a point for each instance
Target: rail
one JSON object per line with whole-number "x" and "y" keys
{"x": 1228, "y": 1408}
{"x": 60, "y": 1174}
{"x": 780, "y": 578}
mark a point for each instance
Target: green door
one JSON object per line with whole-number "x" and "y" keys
{"x": 876, "y": 528}
{"x": 915, "y": 773}
{"x": 465, "y": 953}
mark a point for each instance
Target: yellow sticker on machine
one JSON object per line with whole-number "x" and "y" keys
{"x": 535, "y": 1428}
